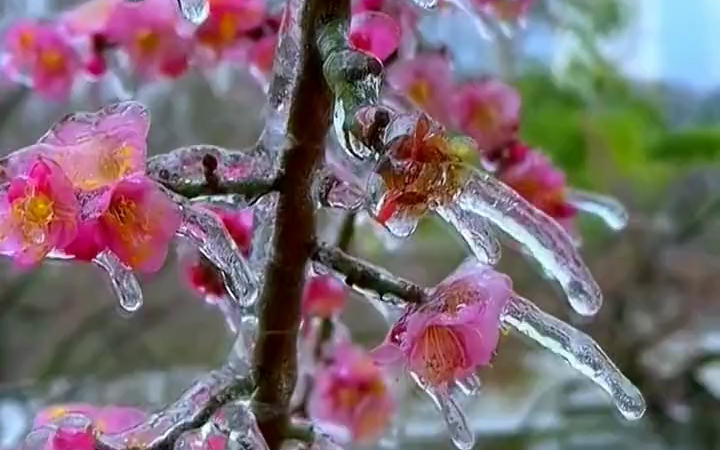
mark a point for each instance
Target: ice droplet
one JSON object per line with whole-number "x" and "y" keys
{"x": 541, "y": 235}
{"x": 124, "y": 282}
{"x": 461, "y": 434}
{"x": 475, "y": 231}
{"x": 605, "y": 207}
{"x": 469, "y": 386}
{"x": 205, "y": 229}
{"x": 578, "y": 349}
{"x": 194, "y": 11}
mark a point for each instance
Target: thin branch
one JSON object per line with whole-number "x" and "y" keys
{"x": 367, "y": 276}
{"x": 251, "y": 189}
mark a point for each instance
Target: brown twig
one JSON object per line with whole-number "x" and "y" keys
{"x": 367, "y": 276}
{"x": 275, "y": 355}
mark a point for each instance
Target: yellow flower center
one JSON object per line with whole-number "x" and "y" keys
{"x": 484, "y": 117}
{"x": 57, "y": 412}
{"x": 115, "y": 164}
{"x": 33, "y": 213}
{"x": 227, "y": 28}
{"x": 26, "y": 40}
{"x": 419, "y": 92}
{"x": 131, "y": 227}
{"x": 147, "y": 41}
{"x": 52, "y": 60}
{"x": 442, "y": 353}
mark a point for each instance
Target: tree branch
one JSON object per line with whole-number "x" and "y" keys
{"x": 275, "y": 355}
{"x": 367, "y": 276}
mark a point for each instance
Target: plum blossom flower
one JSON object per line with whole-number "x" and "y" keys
{"x": 85, "y": 24}
{"x": 352, "y": 393}
{"x": 455, "y": 332}
{"x": 38, "y": 212}
{"x": 376, "y": 33}
{"x": 38, "y": 55}
{"x": 324, "y": 296}
{"x": 426, "y": 80}
{"x": 418, "y": 173}
{"x": 488, "y": 111}
{"x": 96, "y": 150}
{"x": 539, "y": 182}
{"x": 227, "y": 23}
{"x": 147, "y": 32}
{"x": 201, "y": 274}
{"x": 106, "y": 419}
{"x": 261, "y": 55}
{"x": 139, "y": 223}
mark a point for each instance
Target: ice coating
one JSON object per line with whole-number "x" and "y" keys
{"x": 194, "y": 11}
{"x": 542, "y": 236}
{"x": 461, "y": 434}
{"x": 610, "y": 210}
{"x": 124, "y": 282}
{"x": 578, "y": 349}
{"x": 206, "y": 231}
{"x": 469, "y": 386}
{"x": 475, "y": 231}
{"x": 425, "y": 4}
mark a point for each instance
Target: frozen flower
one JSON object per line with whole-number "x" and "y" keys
{"x": 106, "y": 419}
{"x": 488, "y": 111}
{"x": 455, "y": 332}
{"x": 85, "y": 24}
{"x": 426, "y": 80}
{"x": 202, "y": 275}
{"x": 540, "y": 183}
{"x": 38, "y": 212}
{"x": 139, "y": 223}
{"x": 72, "y": 440}
{"x": 376, "y": 33}
{"x": 98, "y": 149}
{"x": 38, "y": 55}
{"x": 418, "y": 173}
{"x": 351, "y": 393}
{"x": 228, "y": 21}
{"x": 506, "y": 156}
{"x": 324, "y": 296}
{"x": 147, "y": 32}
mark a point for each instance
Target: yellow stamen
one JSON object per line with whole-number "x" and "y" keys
{"x": 419, "y": 92}
{"x": 26, "y": 40}
{"x": 33, "y": 213}
{"x": 442, "y": 353}
{"x": 57, "y": 412}
{"x": 484, "y": 117}
{"x": 227, "y": 28}
{"x": 52, "y": 60}
{"x": 147, "y": 41}
{"x": 132, "y": 229}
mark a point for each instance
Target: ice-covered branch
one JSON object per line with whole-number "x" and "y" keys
{"x": 364, "y": 275}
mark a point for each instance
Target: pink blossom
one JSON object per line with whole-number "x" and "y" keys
{"x": 38, "y": 55}
{"x": 351, "y": 392}
{"x": 261, "y": 54}
{"x": 106, "y": 419}
{"x": 488, "y": 111}
{"x": 426, "y": 80}
{"x": 539, "y": 182}
{"x": 147, "y": 32}
{"x": 376, "y": 33}
{"x": 324, "y": 296}
{"x": 72, "y": 440}
{"x": 139, "y": 223}
{"x": 98, "y": 149}
{"x": 228, "y": 21}
{"x": 38, "y": 212}
{"x": 202, "y": 275}
{"x": 88, "y": 17}
{"x": 453, "y": 334}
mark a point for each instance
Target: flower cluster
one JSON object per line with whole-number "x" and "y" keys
{"x": 82, "y": 190}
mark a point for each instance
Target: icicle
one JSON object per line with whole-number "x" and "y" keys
{"x": 546, "y": 241}
{"x": 194, "y": 11}
{"x": 578, "y": 349}
{"x": 264, "y": 210}
{"x": 237, "y": 422}
{"x": 469, "y": 386}
{"x": 475, "y": 231}
{"x": 242, "y": 350}
{"x": 605, "y": 207}
{"x": 425, "y": 4}
{"x": 124, "y": 282}
{"x": 461, "y": 434}
{"x": 205, "y": 230}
